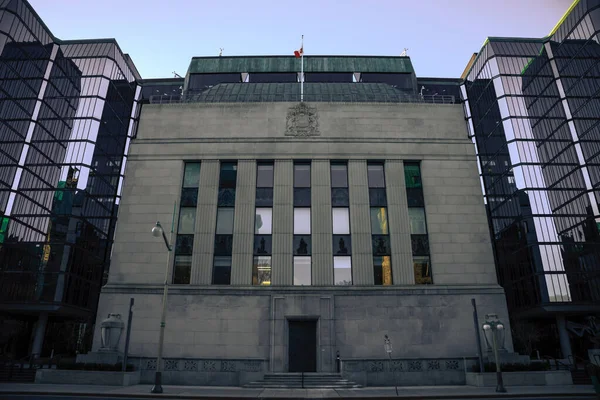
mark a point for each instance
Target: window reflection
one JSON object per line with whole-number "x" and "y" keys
{"x": 342, "y": 270}
{"x": 187, "y": 220}
{"x": 302, "y": 271}
{"x": 225, "y": 221}
{"x": 382, "y": 267}
{"x": 261, "y": 271}
{"x": 341, "y": 221}
{"x": 379, "y": 224}
{"x": 301, "y": 221}
{"x": 263, "y": 221}
{"x": 417, "y": 221}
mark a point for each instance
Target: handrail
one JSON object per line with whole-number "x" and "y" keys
{"x": 557, "y": 363}
{"x": 205, "y": 97}
{"x": 573, "y": 360}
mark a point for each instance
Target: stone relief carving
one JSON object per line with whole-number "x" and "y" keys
{"x": 302, "y": 120}
{"x": 227, "y": 366}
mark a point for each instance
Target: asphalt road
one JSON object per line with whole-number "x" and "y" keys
{"x": 80, "y": 397}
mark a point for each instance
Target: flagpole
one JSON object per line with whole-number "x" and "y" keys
{"x": 302, "y": 71}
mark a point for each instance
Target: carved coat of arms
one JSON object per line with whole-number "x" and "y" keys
{"x": 302, "y": 120}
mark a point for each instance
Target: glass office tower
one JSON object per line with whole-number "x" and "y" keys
{"x": 68, "y": 110}
{"x": 533, "y": 113}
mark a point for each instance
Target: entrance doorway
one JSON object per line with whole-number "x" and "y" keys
{"x": 303, "y": 346}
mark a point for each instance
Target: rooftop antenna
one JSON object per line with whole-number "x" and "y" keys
{"x": 176, "y": 75}
{"x": 221, "y": 51}
{"x": 403, "y": 54}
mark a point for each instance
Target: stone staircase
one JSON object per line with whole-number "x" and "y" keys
{"x": 307, "y": 380}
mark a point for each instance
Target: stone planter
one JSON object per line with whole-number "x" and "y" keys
{"x": 521, "y": 378}
{"x": 74, "y": 377}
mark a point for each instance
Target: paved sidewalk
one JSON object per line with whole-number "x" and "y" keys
{"x": 191, "y": 392}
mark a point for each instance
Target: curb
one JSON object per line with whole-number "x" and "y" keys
{"x": 407, "y": 397}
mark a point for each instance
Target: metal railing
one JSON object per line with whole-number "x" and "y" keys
{"x": 208, "y": 97}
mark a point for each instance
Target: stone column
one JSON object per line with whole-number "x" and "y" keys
{"x": 243, "y": 223}
{"x": 360, "y": 223}
{"x": 206, "y": 223}
{"x": 399, "y": 225}
{"x": 321, "y": 224}
{"x": 563, "y": 335}
{"x": 38, "y": 338}
{"x": 283, "y": 223}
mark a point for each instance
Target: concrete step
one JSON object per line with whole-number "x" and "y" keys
{"x": 312, "y": 380}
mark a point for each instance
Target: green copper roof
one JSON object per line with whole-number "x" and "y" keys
{"x": 215, "y": 65}
{"x": 277, "y": 92}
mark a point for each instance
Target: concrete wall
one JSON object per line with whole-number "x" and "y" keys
{"x": 250, "y": 324}
{"x": 232, "y": 323}
{"x": 435, "y": 134}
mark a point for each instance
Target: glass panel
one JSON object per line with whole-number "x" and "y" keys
{"x": 262, "y": 244}
{"x": 339, "y": 176}
{"x": 382, "y": 268}
{"x": 377, "y": 197}
{"x": 264, "y": 197}
{"x": 381, "y": 245}
{"x": 184, "y": 244}
{"x": 264, "y": 176}
{"x": 302, "y": 221}
{"x": 301, "y": 175}
{"x": 191, "y": 176}
{"x": 261, "y": 271}
{"x": 182, "y": 270}
{"x": 302, "y": 197}
{"x": 228, "y": 175}
{"x": 225, "y": 221}
{"x": 223, "y": 245}
{"x": 412, "y": 175}
{"x": 226, "y": 198}
{"x": 189, "y": 197}
{"x": 417, "y": 221}
{"x": 302, "y": 245}
{"x": 302, "y": 271}
{"x": 342, "y": 245}
{"x": 422, "y": 268}
{"x": 341, "y": 221}
{"x": 342, "y": 270}
{"x": 222, "y": 271}
{"x": 263, "y": 221}
{"x": 379, "y": 224}
{"x": 187, "y": 220}
{"x": 340, "y": 197}
{"x": 420, "y": 245}
{"x": 415, "y": 197}
{"x": 375, "y": 175}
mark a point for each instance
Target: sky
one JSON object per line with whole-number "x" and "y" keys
{"x": 162, "y": 36}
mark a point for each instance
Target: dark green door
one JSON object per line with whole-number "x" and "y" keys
{"x": 303, "y": 346}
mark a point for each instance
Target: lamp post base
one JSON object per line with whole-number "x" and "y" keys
{"x": 500, "y": 387}
{"x": 157, "y": 388}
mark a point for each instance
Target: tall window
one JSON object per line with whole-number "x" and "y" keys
{"x": 342, "y": 244}
{"x": 302, "y": 229}
{"x": 263, "y": 225}
{"x": 380, "y": 235}
{"x": 224, "y": 230}
{"x": 418, "y": 224}
{"x": 184, "y": 243}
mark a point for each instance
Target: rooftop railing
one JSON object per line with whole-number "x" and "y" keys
{"x": 291, "y": 97}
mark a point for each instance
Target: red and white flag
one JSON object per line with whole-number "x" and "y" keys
{"x": 299, "y": 53}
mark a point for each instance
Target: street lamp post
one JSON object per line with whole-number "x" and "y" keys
{"x": 387, "y": 345}
{"x": 158, "y": 231}
{"x": 492, "y": 327}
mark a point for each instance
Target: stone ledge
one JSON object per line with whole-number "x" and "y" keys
{"x": 399, "y": 290}
{"x": 72, "y": 377}
{"x": 521, "y": 378}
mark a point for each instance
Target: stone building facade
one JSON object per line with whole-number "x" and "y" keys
{"x": 234, "y": 332}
